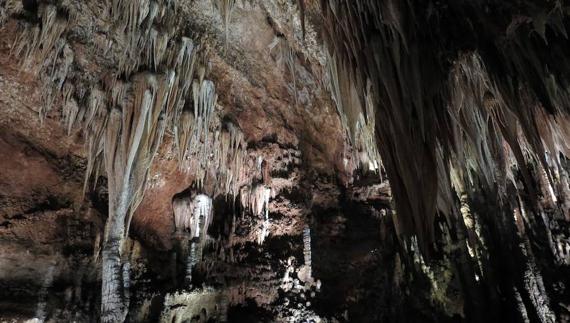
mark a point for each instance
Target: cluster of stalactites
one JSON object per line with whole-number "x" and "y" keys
{"x": 182, "y": 101}
{"x": 285, "y": 57}
{"x": 491, "y": 141}
{"x": 193, "y": 214}
{"x": 357, "y": 119}
{"x": 42, "y": 49}
{"x": 169, "y": 92}
{"x": 230, "y": 158}
{"x": 225, "y": 8}
{"x": 256, "y": 200}
{"x": 481, "y": 149}
{"x": 194, "y": 138}
{"x": 41, "y": 44}
{"x": 210, "y": 149}
{"x": 491, "y": 149}
{"x": 140, "y": 41}
{"x": 435, "y": 119}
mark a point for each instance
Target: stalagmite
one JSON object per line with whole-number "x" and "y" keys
{"x": 224, "y": 306}
{"x": 307, "y": 252}
{"x": 265, "y": 227}
{"x": 126, "y": 282}
{"x": 41, "y": 310}
{"x": 265, "y": 172}
{"x": 190, "y": 262}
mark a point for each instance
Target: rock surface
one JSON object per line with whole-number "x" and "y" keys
{"x": 270, "y": 82}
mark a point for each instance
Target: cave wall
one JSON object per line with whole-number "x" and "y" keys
{"x": 488, "y": 264}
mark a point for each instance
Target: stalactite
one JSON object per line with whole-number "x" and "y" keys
{"x": 39, "y": 50}
{"x": 365, "y": 136}
{"x": 183, "y": 213}
{"x": 36, "y": 45}
{"x": 183, "y": 64}
{"x": 357, "y": 119}
{"x": 156, "y": 48}
{"x": 256, "y": 200}
{"x": 70, "y": 110}
{"x": 480, "y": 144}
{"x": 225, "y": 8}
{"x": 259, "y": 204}
{"x": 286, "y": 58}
{"x": 135, "y": 20}
{"x": 522, "y": 309}
{"x": 232, "y": 155}
{"x": 549, "y": 198}
{"x": 564, "y": 188}
{"x": 183, "y": 134}
{"x": 94, "y": 129}
{"x": 206, "y": 150}
{"x": 202, "y": 215}
{"x": 193, "y": 214}
{"x": 57, "y": 75}
{"x": 535, "y": 287}
{"x": 199, "y": 145}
